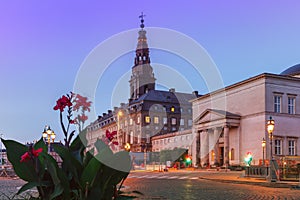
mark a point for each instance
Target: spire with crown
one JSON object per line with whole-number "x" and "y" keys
{"x": 142, "y": 50}
{"x": 142, "y": 79}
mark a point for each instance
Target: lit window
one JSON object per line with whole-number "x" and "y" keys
{"x": 292, "y": 147}
{"x": 291, "y": 105}
{"x": 172, "y": 109}
{"x": 147, "y": 119}
{"x": 138, "y": 120}
{"x": 173, "y": 121}
{"x": 130, "y": 121}
{"x": 277, "y": 103}
{"x": 131, "y": 137}
{"x": 278, "y": 148}
{"x": 156, "y": 120}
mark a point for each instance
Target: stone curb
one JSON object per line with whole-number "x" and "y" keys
{"x": 264, "y": 184}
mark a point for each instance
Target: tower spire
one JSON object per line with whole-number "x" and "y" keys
{"x": 142, "y": 78}
{"x": 142, "y": 20}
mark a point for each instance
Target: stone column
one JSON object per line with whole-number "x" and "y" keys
{"x": 204, "y": 148}
{"x": 216, "y": 147}
{"x": 226, "y": 146}
{"x": 194, "y": 150}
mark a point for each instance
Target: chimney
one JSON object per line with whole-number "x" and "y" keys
{"x": 195, "y": 93}
{"x": 172, "y": 90}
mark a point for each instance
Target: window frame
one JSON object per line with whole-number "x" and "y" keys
{"x": 277, "y": 101}
{"x": 278, "y": 147}
{"x": 292, "y": 148}
{"x": 291, "y": 106}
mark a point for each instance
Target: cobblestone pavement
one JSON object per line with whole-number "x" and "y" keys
{"x": 184, "y": 187}
{"x": 8, "y": 187}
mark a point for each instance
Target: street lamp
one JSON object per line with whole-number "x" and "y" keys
{"x": 270, "y": 129}
{"x": 49, "y": 136}
{"x": 1, "y": 154}
{"x": 119, "y": 115}
{"x": 263, "y": 144}
{"x": 127, "y": 147}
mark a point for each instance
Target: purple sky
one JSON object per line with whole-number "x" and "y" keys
{"x": 43, "y": 44}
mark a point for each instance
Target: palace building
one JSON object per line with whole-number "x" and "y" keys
{"x": 148, "y": 112}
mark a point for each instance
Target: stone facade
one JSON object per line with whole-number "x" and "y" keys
{"x": 231, "y": 122}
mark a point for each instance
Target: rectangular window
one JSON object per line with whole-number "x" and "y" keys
{"x": 165, "y": 120}
{"x": 156, "y": 120}
{"x": 147, "y": 119}
{"x": 291, "y": 105}
{"x": 131, "y": 137}
{"x": 181, "y": 122}
{"x": 138, "y": 120}
{"x": 173, "y": 121}
{"x": 278, "y": 147}
{"x": 190, "y": 122}
{"x": 130, "y": 121}
{"x": 292, "y": 147}
{"x": 277, "y": 104}
{"x": 148, "y": 138}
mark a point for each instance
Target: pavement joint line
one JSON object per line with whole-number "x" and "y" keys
{"x": 184, "y": 177}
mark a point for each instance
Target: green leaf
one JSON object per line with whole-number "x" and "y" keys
{"x": 78, "y": 146}
{"x": 30, "y": 185}
{"x": 60, "y": 180}
{"x": 89, "y": 155}
{"x": 41, "y": 144}
{"x": 90, "y": 172}
{"x": 70, "y": 162}
{"x": 25, "y": 170}
{"x": 105, "y": 154}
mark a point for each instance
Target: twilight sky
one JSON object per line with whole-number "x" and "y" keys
{"x": 44, "y": 43}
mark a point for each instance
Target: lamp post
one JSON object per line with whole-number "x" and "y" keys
{"x": 263, "y": 144}
{"x": 49, "y": 136}
{"x": 1, "y": 154}
{"x": 270, "y": 129}
{"x": 119, "y": 115}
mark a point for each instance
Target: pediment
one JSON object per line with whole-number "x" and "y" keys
{"x": 211, "y": 115}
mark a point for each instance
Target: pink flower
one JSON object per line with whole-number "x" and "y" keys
{"x": 27, "y": 155}
{"x": 82, "y": 117}
{"x": 83, "y": 102}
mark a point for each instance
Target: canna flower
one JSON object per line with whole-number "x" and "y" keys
{"x": 83, "y": 102}
{"x": 62, "y": 102}
{"x": 110, "y": 135}
{"x": 31, "y": 153}
{"x": 82, "y": 118}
